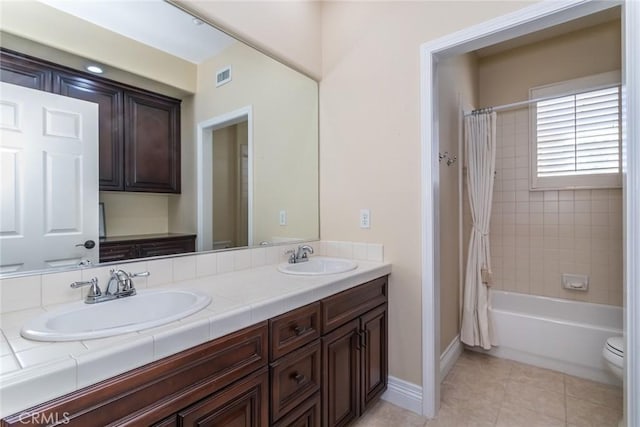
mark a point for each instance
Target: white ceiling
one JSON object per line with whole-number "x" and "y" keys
{"x": 152, "y": 22}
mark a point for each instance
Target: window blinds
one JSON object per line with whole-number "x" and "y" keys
{"x": 579, "y": 134}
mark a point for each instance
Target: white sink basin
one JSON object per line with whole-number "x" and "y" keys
{"x": 147, "y": 309}
{"x": 318, "y": 266}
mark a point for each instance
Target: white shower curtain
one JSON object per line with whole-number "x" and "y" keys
{"x": 480, "y": 146}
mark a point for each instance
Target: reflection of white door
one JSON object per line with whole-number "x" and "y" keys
{"x": 49, "y": 175}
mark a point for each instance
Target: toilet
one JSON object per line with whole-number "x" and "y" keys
{"x": 613, "y": 353}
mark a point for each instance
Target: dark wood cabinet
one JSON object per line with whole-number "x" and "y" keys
{"x": 129, "y": 247}
{"x": 139, "y": 131}
{"x": 110, "y": 123}
{"x": 21, "y": 71}
{"x": 152, "y": 149}
{"x": 329, "y": 380}
{"x": 354, "y": 354}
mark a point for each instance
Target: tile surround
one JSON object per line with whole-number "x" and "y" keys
{"x": 53, "y": 288}
{"x": 538, "y": 235}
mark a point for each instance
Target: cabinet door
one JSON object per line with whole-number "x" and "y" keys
{"x": 374, "y": 355}
{"x": 110, "y": 130}
{"x": 152, "y": 143}
{"x": 243, "y": 404}
{"x": 23, "y": 71}
{"x": 341, "y": 375}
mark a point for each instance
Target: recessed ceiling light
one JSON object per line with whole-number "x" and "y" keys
{"x": 94, "y": 69}
{"x": 196, "y": 21}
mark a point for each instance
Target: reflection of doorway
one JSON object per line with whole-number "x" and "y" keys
{"x": 225, "y": 181}
{"x": 229, "y": 189}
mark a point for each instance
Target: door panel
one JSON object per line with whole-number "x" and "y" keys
{"x": 374, "y": 355}
{"x": 52, "y": 163}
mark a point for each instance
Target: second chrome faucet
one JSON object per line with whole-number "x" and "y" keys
{"x": 299, "y": 255}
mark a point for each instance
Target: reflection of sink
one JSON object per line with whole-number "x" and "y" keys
{"x": 80, "y": 321}
{"x": 318, "y": 266}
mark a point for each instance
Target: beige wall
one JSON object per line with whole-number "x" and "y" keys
{"x": 538, "y": 235}
{"x": 507, "y": 77}
{"x": 456, "y": 90}
{"x": 285, "y": 137}
{"x": 135, "y": 213}
{"x": 49, "y": 26}
{"x": 289, "y": 30}
{"x": 370, "y": 140}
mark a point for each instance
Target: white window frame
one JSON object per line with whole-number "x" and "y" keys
{"x": 565, "y": 88}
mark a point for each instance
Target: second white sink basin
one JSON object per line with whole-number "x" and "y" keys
{"x": 80, "y": 321}
{"x": 318, "y": 266}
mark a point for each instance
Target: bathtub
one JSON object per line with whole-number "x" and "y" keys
{"x": 558, "y": 334}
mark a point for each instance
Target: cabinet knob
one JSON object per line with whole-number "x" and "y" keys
{"x": 299, "y": 330}
{"x": 298, "y": 378}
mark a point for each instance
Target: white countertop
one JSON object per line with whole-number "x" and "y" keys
{"x": 33, "y": 372}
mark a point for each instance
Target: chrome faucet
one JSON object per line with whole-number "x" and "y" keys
{"x": 120, "y": 285}
{"x": 300, "y": 255}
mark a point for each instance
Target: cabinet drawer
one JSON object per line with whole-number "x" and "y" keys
{"x": 169, "y": 247}
{"x": 294, "y": 329}
{"x": 306, "y": 415}
{"x": 243, "y": 404}
{"x": 294, "y": 378}
{"x": 117, "y": 252}
{"x": 345, "y": 306}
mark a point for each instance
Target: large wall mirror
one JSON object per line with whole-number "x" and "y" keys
{"x": 247, "y": 165}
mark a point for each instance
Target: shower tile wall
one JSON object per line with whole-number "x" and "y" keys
{"x": 538, "y": 235}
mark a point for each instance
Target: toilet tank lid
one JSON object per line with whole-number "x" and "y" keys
{"x": 616, "y": 344}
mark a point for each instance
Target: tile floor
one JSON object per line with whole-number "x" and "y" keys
{"x": 486, "y": 391}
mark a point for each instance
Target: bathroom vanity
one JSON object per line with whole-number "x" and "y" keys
{"x": 320, "y": 363}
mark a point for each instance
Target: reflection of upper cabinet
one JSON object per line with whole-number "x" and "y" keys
{"x": 152, "y": 143}
{"x": 110, "y": 129}
{"x": 139, "y": 131}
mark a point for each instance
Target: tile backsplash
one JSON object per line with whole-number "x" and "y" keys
{"x": 538, "y": 235}
{"x": 21, "y": 293}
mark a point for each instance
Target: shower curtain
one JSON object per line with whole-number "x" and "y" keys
{"x": 480, "y": 147}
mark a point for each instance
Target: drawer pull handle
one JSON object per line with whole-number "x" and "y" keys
{"x": 299, "y": 330}
{"x": 298, "y": 378}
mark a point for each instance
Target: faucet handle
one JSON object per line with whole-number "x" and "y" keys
{"x": 292, "y": 255}
{"x": 141, "y": 274}
{"x": 94, "y": 290}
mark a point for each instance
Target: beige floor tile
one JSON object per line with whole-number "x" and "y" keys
{"x": 536, "y": 399}
{"x": 538, "y": 377}
{"x": 452, "y": 417}
{"x": 585, "y": 414}
{"x": 601, "y": 394}
{"x": 385, "y": 414}
{"x": 522, "y": 417}
{"x": 480, "y": 400}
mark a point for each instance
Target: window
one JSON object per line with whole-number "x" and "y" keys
{"x": 576, "y": 135}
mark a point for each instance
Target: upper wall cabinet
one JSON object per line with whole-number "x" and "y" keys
{"x": 139, "y": 131}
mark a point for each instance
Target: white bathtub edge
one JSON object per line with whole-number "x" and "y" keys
{"x": 599, "y": 375}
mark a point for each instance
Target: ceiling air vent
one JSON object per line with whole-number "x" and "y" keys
{"x": 223, "y": 76}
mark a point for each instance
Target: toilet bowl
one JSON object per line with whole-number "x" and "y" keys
{"x": 613, "y": 353}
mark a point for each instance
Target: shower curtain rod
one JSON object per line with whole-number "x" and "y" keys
{"x": 531, "y": 101}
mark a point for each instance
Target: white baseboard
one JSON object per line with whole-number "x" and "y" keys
{"x": 408, "y": 395}
{"x": 450, "y": 356}
{"x": 404, "y": 394}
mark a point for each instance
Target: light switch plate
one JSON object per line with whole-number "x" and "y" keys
{"x": 283, "y": 217}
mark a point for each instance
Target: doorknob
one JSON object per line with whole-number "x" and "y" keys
{"x": 89, "y": 244}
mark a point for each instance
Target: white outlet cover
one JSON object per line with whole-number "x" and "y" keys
{"x": 365, "y": 218}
